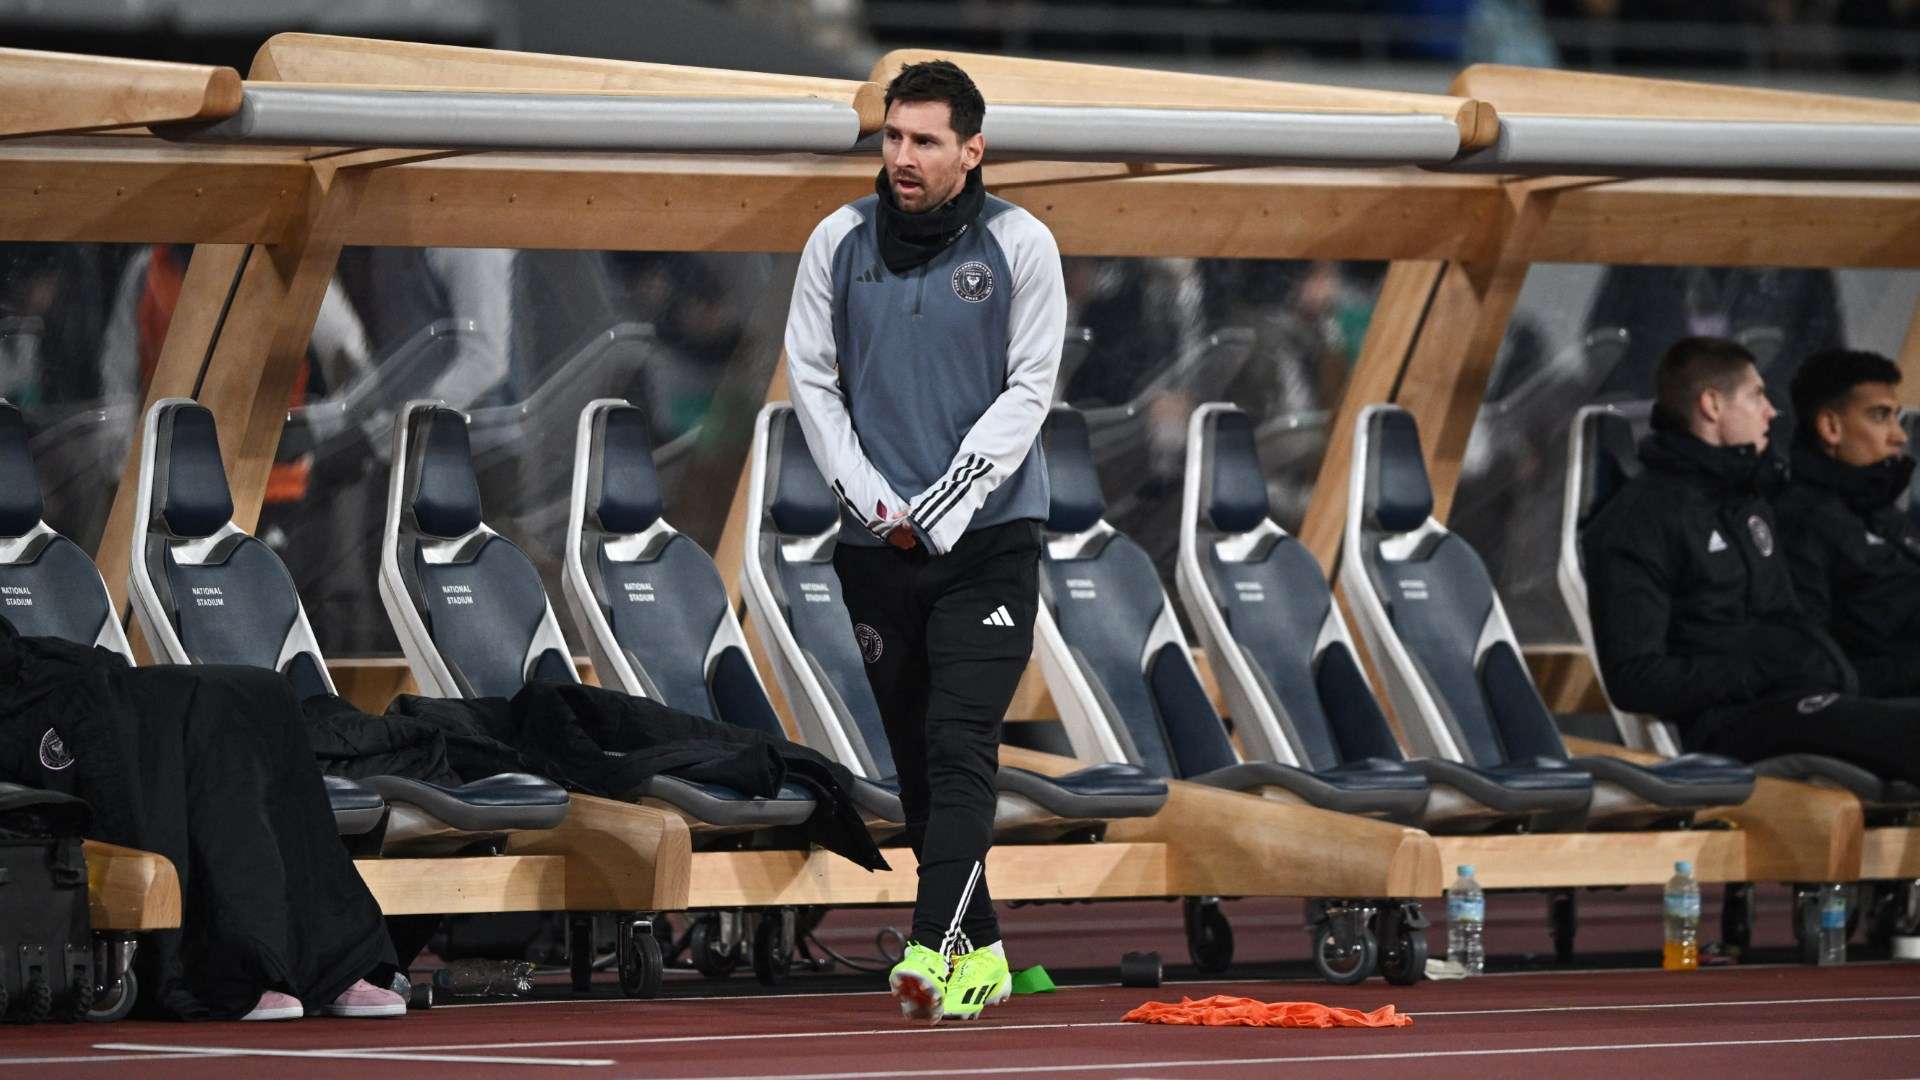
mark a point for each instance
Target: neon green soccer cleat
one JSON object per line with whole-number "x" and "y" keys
{"x": 980, "y": 978}
{"x": 919, "y": 983}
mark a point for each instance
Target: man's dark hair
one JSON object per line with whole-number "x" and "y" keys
{"x": 1692, "y": 365}
{"x": 942, "y": 80}
{"x": 1827, "y": 377}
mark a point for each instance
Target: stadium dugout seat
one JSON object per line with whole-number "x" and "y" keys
{"x": 1601, "y": 458}
{"x": 206, "y": 592}
{"x": 649, "y": 602}
{"x": 793, "y": 595}
{"x": 1431, "y": 618}
{"x": 474, "y": 620}
{"x": 1286, "y": 665}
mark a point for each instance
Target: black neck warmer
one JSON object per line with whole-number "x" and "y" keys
{"x": 1721, "y": 470}
{"x": 1865, "y": 488}
{"x": 911, "y": 240}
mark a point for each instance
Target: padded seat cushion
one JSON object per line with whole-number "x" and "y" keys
{"x": 717, "y": 804}
{"x": 356, "y": 809}
{"x": 664, "y": 611}
{"x": 1548, "y": 786}
{"x": 494, "y": 804}
{"x": 1877, "y": 791}
{"x": 1367, "y": 786}
{"x": 1688, "y": 782}
{"x": 236, "y": 611}
{"x": 483, "y": 614}
{"x": 1098, "y": 791}
{"x": 880, "y": 801}
{"x": 57, "y": 594}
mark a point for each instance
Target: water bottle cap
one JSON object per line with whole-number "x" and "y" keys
{"x": 1464, "y": 869}
{"x": 1683, "y": 866}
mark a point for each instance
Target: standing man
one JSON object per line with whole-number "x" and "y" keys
{"x": 1854, "y": 553}
{"x": 922, "y": 347}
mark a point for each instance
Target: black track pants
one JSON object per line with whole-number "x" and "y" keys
{"x": 946, "y": 639}
{"x": 1879, "y": 735}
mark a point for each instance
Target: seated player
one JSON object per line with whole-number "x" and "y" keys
{"x": 1694, "y": 613}
{"x": 1855, "y": 556}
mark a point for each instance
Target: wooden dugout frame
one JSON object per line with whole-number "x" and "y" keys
{"x": 269, "y": 222}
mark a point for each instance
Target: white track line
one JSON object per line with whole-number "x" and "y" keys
{"x": 87, "y": 1059}
{"x": 1015, "y": 1070}
{"x": 656, "y": 1040}
{"x": 354, "y": 1055}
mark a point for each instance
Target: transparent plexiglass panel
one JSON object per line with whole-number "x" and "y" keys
{"x": 1585, "y": 333}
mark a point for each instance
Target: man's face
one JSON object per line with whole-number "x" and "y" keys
{"x": 1740, "y": 415}
{"x": 1865, "y": 428}
{"x": 927, "y": 163}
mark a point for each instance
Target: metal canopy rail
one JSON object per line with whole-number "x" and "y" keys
{"x": 1219, "y": 135}
{"x": 1621, "y": 146}
{"x": 452, "y": 120}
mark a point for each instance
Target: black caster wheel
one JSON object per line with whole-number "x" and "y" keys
{"x": 1344, "y": 963}
{"x": 1209, "y": 935}
{"x": 580, "y": 952}
{"x": 1806, "y": 922}
{"x": 1402, "y": 939}
{"x": 1736, "y": 918}
{"x": 1140, "y": 969}
{"x": 641, "y": 965}
{"x": 773, "y": 948}
{"x": 37, "y": 1007}
{"x": 712, "y": 955}
{"x": 420, "y": 996}
{"x": 77, "y": 1002}
{"x": 116, "y": 989}
{"x": 1563, "y": 916}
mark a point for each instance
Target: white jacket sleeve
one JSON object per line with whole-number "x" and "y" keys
{"x": 813, "y": 373}
{"x": 998, "y": 442}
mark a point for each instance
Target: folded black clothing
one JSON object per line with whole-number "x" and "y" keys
{"x": 210, "y": 767}
{"x": 589, "y": 740}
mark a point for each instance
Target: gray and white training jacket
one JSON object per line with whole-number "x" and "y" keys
{"x": 928, "y": 389}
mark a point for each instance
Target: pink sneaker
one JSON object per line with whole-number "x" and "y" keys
{"x": 364, "y": 1000}
{"x": 274, "y": 1005}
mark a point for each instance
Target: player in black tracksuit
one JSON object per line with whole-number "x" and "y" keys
{"x": 1694, "y": 612}
{"x": 1855, "y": 555}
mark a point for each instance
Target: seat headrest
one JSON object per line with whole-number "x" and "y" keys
{"x": 802, "y": 504}
{"x": 1399, "y": 499}
{"x": 1077, "y": 504}
{"x": 1610, "y": 461}
{"x": 626, "y": 489}
{"x": 445, "y": 496}
{"x": 190, "y": 497}
{"x": 20, "y": 507}
{"x": 1236, "y": 494}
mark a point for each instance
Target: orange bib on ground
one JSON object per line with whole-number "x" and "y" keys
{"x": 1223, "y": 1011}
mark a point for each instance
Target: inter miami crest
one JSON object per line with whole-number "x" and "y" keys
{"x": 53, "y": 752}
{"x": 973, "y": 282}
{"x": 870, "y": 644}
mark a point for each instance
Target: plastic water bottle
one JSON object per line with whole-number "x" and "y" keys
{"x": 1466, "y": 923}
{"x": 1682, "y": 952}
{"x": 1833, "y": 924}
{"x": 484, "y": 978}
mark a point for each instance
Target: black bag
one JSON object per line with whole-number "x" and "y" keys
{"x": 46, "y": 935}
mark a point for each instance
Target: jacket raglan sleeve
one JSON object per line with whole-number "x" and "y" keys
{"x": 813, "y": 374}
{"x": 1629, "y": 598}
{"x": 999, "y": 441}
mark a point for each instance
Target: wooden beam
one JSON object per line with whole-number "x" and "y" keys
{"x": 1009, "y": 80}
{"x": 772, "y": 204}
{"x": 1909, "y": 361}
{"x": 1522, "y": 91}
{"x": 1577, "y": 860}
{"x": 1735, "y": 223}
{"x": 1566, "y": 678}
{"x": 211, "y": 276}
{"x": 113, "y": 191}
{"x": 619, "y": 856}
{"x": 1453, "y": 357}
{"x": 319, "y": 58}
{"x": 459, "y": 886}
{"x": 1105, "y": 871}
{"x": 1890, "y": 854}
{"x": 1229, "y": 843}
{"x": 46, "y": 92}
{"x": 128, "y": 889}
{"x": 1398, "y": 313}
